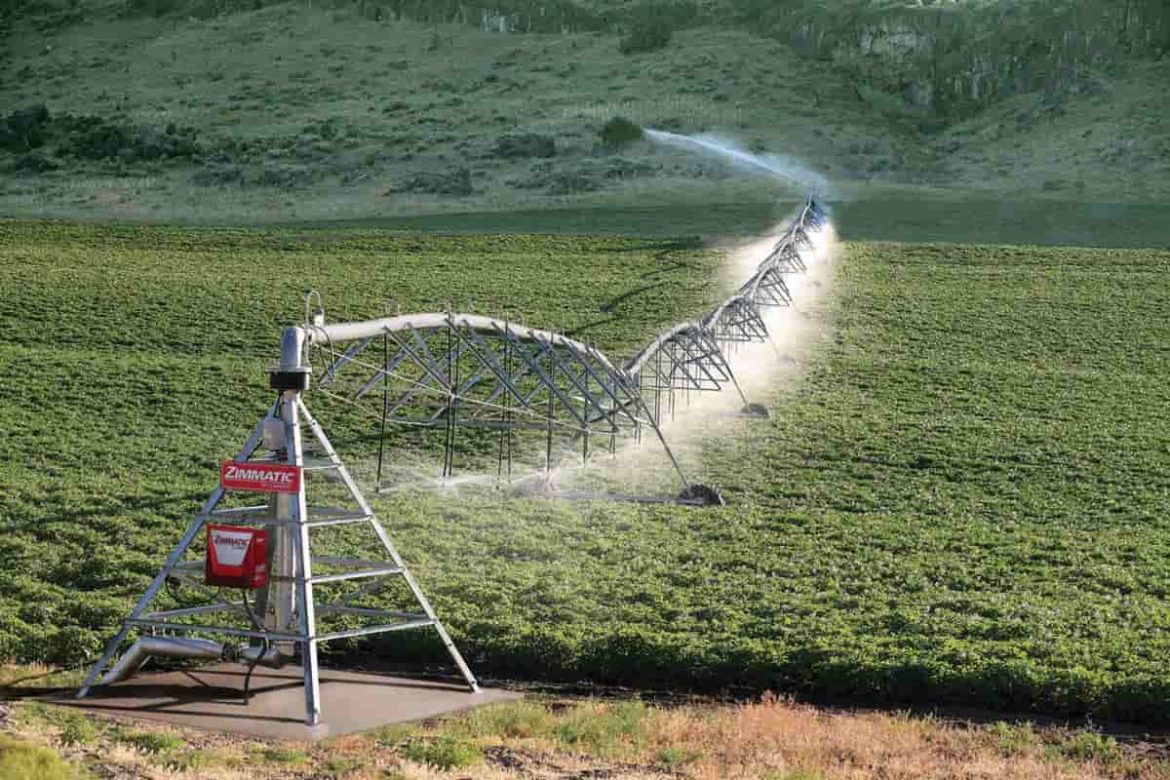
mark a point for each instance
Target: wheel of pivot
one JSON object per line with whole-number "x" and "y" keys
{"x": 703, "y": 495}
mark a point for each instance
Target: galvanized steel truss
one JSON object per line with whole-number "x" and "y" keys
{"x": 287, "y": 610}
{"x": 449, "y": 371}
{"x": 456, "y": 372}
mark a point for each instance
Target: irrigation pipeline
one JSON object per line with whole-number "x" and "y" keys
{"x": 450, "y": 371}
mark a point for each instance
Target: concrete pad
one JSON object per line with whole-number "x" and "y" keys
{"x": 211, "y": 698}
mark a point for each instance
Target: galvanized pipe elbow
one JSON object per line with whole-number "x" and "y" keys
{"x": 165, "y": 646}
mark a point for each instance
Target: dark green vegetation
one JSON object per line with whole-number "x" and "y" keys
{"x": 961, "y": 501}
{"x": 649, "y": 31}
{"x": 249, "y": 112}
{"x": 620, "y": 131}
{"x": 942, "y": 56}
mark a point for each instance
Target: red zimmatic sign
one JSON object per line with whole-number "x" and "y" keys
{"x": 259, "y": 477}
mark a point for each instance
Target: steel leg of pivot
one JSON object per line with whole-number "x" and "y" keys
{"x": 192, "y": 531}
{"x": 384, "y": 538}
{"x": 304, "y": 566}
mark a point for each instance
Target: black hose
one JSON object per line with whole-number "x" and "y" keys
{"x": 263, "y": 649}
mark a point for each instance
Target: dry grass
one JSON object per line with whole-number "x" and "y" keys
{"x": 36, "y": 676}
{"x": 791, "y": 740}
{"x": 558, "y": 739}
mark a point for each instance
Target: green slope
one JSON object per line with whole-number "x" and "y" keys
{"x": 306, "y": 113}
{"x": 1109, "y": 141}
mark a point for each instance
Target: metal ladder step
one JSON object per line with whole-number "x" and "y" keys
{"x": 356, "y": 568}
{"x": 309, "y": 463}
{"x": 262, "y": 515}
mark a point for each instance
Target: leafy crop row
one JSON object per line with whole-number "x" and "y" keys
{"x": 962, "y": 501}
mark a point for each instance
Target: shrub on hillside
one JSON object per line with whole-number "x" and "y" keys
{"x": 587, "y": 176}
{"x": 33, "y": 162}
{"x": 543, "y": 176}
{"x": 226, "y": 173}
{"x": 154, "y": 7}
{"x": 453, "y": 182}
{"x": 523, "y": 145}
{"x": 219, "y": 174}
{"x": 95, "y": 138}
{"x": 25, "y": 129}
{"x": 569, "y": 183}
{"x": 90, "y": 138}
{"x": 198, "y": 9}
{"x": 622, "y": 168}
{"x": 646, "y": 33}
{"x": 620, "y": 131}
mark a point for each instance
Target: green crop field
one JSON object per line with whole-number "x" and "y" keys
{"x": 961, "y": 500}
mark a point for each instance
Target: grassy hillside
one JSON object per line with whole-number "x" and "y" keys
{"x": 1116, "y": 127}
{"x": 293, "y": 112}
{"x": 961, "y": 502}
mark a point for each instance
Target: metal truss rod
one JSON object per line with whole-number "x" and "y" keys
{"x": 193, "y": 528}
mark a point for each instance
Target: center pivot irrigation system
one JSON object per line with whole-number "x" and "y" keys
{"x": 535, "y": 398}
{"x": 438, "y": 371}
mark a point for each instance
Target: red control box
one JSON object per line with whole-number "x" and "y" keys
{"x": 237, "y": 557}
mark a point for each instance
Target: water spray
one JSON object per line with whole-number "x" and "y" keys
{"x": 775, "y": 165}
{"x": 550, "y": 398}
